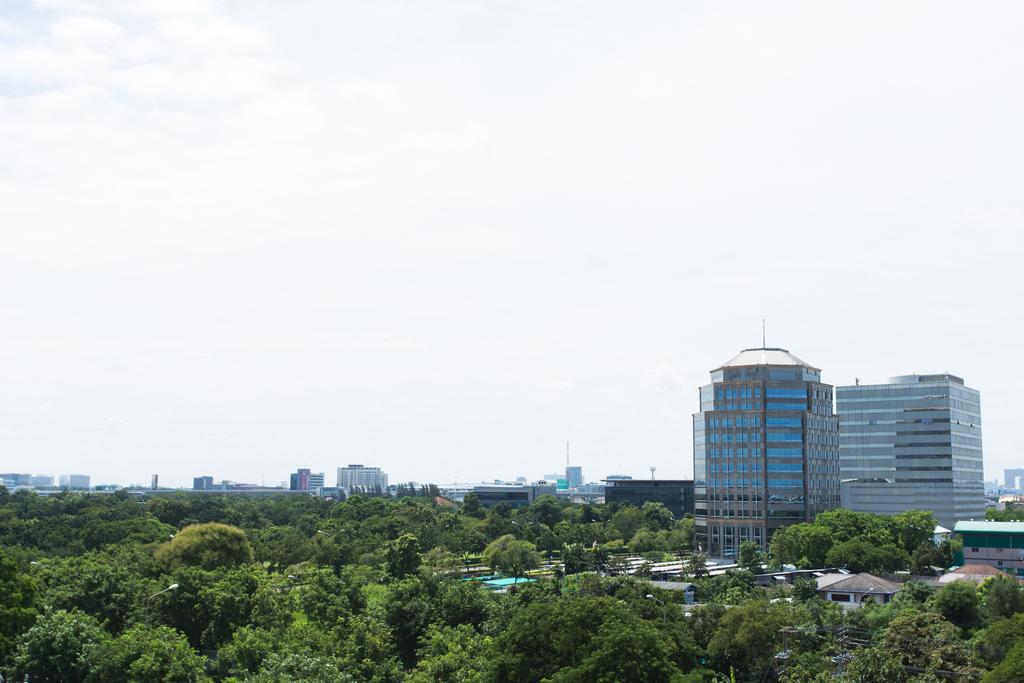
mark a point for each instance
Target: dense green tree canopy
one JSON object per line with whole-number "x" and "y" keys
{"x": 18, "y": 603}
{"x": 94, "y": 588}
{"x": 862, "y": 556}
{"x": 61, "y": 646}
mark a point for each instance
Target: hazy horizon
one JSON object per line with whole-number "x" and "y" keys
{"x": 242, "y": 238}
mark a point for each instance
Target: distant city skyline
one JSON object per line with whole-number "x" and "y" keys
{"x": 444, "y": 238}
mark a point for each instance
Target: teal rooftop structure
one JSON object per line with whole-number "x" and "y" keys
{"x": 997, "y": 544}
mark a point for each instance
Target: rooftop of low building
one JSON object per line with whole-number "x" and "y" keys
{"x": 989, "y": 527}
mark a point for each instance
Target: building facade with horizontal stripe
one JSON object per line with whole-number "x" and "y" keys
{"x": 913, "y": 443}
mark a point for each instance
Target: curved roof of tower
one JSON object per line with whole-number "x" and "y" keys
{"x": 767, "y": 356}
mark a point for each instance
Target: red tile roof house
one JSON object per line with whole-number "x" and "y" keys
{"x": 969, "y": 572}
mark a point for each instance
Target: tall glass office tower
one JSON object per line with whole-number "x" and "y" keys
{"x": 912, "y": 444}
{"x": 765, "y": 449}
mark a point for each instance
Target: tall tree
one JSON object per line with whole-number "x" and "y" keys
{"x": 511, "y": 556}
{"x": 925, "y": 640}
{"x": 1001, "y": 596}
{"x": 912, "y": 528}
{"x": 208, "y": 546}
{"x": 60, "y": 647}
{"x": 957, "y": 602}
{"x": 18, "y": 604}
{"x": 401, "y": 556}
{"x": 750, "y": 556}
{"x": 746, "y": 637}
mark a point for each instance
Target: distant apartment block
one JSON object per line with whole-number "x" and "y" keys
{"x": 12, "y": 479}
{"x": 675, "y": 494}
{"x": 305, "y": 480}
{"x": 202, "y": 484}
{"x": 1013, "y": 479}
{"x": 573, "y": 476}
{"x": 15, "y": 479}
{"x": 913, "y": 443}
{"x": 74, "y": 481}
{"x": 299, "y": 481}
{"x": 360, "y": 477}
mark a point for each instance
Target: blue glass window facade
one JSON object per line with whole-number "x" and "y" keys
{"x": 766, "y": 449}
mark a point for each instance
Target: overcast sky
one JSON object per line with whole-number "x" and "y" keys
{"x": 444, "y": 238}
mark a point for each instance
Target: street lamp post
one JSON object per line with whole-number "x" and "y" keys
{"x": 149, "y": 603}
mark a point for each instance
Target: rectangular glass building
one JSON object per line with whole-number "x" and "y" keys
{"x": 912, "y": 444}
{"x": 675, "y": 494}
{"x": 765, "y": 449}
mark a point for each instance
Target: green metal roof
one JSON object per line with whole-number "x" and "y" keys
{"x": 990, "y": 527}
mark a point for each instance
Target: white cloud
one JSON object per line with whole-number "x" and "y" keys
{"x": 317, "y": 228}
{"x": 666, "y": 379}
{"x": 1000, "y": 218}
{"x": 79, "y": 31}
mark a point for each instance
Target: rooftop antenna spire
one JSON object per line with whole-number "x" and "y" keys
{"x": 566, "y": 453}
{"x": 764, "y": 344}
{"x": 652, "y": 472}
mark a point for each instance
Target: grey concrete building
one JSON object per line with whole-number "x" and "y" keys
{"x": 573, "y": 476}
{"x": 913, "y": 443}
{"x": 204, "y": 483}
{"x": 765, "y": 449}
{"x": 1013, "y": 479}
{"x": 516, "y": 495}
{"x": 12, "y": 479}
{"x": 74, "y": 481}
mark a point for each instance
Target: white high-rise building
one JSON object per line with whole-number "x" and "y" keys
{"x": 74, "y": 481}
{"x": 359, "y": 477}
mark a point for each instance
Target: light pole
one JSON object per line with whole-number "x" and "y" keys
{"x": 172, "y": 587}
{"x": 149, "y": 603}
{"x": 664, "y": 612}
